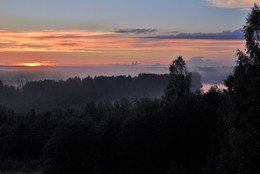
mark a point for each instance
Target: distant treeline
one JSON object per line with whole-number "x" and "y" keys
{"x": 74, "y": 92}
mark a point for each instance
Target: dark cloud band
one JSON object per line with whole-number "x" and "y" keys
{"x": 225, "y": 35}
{"x": 135, "y": 31}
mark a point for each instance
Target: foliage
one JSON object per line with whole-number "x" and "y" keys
{"x": 240, "y": 116}
{"x": 179, "y": 82}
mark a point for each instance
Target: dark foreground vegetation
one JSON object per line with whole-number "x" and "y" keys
{"x": 183, "y": 132}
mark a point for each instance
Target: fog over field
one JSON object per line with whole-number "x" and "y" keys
{"x": 18, "y": 75}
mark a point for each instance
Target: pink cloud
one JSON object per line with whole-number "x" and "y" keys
{"x": 243, "y": 4}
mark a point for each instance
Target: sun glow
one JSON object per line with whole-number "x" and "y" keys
{"x": 31, "y": 64}
{"x": 75, "y": 47}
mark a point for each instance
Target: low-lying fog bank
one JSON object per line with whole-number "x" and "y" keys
{"x": 18, "y": 76}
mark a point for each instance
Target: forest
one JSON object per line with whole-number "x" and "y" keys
{"x": 156, "y": 124}
{"x": 74, "y": 92}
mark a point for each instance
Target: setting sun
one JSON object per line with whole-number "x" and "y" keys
{"x": 31, "y": 64}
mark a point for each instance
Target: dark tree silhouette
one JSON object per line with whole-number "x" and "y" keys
{"x": 242, "y": 115}
{"x": 252, "y": 34}
{"x": 180, "y": 80}
{"x": 71, "y": 149}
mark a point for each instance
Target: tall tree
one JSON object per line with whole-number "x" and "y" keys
{"x": 180, "y": 80}
{"x": 252, "y": 34}
{"x": 243, "y": 99}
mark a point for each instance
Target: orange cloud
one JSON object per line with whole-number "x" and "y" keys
{"x": 78, "y": 47}
{"x": 97, "y": 42}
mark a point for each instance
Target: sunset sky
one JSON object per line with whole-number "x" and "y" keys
{"x": 88, "y": 32}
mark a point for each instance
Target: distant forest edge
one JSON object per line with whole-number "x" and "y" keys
{"x": 74, "y": 92}
{"x": 18, "y": 76}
